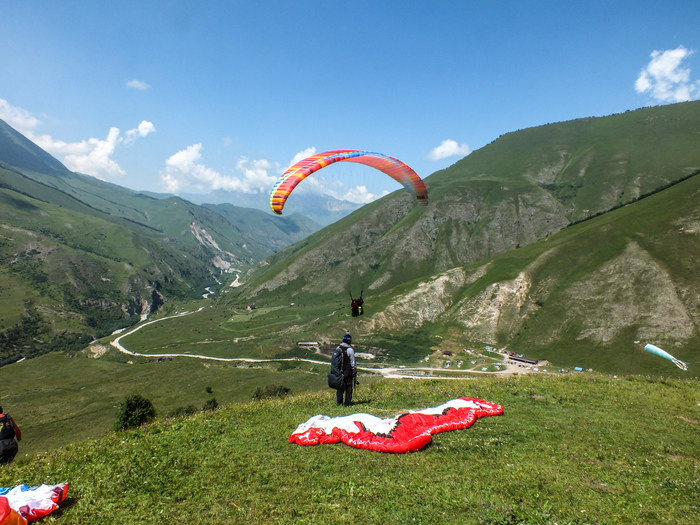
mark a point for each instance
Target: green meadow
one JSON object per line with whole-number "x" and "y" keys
{"x": 574, "y": 449}
{"x": 57, "y": 399}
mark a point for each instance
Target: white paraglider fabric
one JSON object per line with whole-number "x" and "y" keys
{"x": 33, "y": 503}
{"x": 406, "y": 432}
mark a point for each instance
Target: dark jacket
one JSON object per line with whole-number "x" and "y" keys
{"x": 8, "y": 428}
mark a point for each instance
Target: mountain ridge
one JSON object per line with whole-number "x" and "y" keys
{"x": 512, "y": 198}
{"x": 80, "y": 257}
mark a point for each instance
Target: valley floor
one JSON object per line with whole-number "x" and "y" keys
{"x": 402, "y": 372}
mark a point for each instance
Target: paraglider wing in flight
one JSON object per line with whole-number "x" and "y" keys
{"x": 396, "y": 169}
{"x": 663, "y": 353}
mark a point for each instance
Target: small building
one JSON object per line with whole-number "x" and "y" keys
{"x": 520, "y": 359}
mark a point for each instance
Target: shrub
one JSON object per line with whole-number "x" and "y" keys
{"x": 271, "y": 391}
{"x": 134, "y": 412}
{"x": 211, "y": 404}
{"x": 287, "y": 365}
{"x": 183, "y": 411}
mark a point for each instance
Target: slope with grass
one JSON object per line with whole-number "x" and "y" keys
{"x": 80, "y": 257}
{"x": 518, "y": 190}
{"x": 576, "y": 449}
{"x": 61, "y": 398}
{"x": 582, "y": 297}
{"x": 490, "y": 261}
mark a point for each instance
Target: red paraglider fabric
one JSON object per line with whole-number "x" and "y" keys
{"x": 403, "y": 433}
{"x": 8, "y": 516}
{"x": 396, "y": 169}
{"x": 32, "y": 503}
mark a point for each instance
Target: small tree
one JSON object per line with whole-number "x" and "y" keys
{"x": 134, "y": 412}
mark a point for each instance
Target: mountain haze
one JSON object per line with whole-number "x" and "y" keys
{"x": 322, "y": 209}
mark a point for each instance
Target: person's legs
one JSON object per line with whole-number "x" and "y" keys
{"x": 8, "y": 451}
{"x": 339, "y": 396}
{"x": 348, "y": 395}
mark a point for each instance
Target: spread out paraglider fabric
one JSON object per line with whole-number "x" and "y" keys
{"x": 662, "y": 353}
{"x": 396, "y": 169}
{"x": 22, "y": 504}
{"x": 403, "y": 433}
{"x": 8, "y": 515}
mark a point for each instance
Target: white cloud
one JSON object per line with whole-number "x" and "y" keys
{"x": 664, "y": 78}
{"x": 301, "y": 156}
{"x": 448, "y": 148}
{"x": 185, "y": 169}
{"x": 18, "y": 118}
{"x": 91, "y": 157}
{"x": 95, "y": 159}
{"x": 257, "y": 179}
{"x": 360, "y": 195}
{"x": 144, "y": 129}
{"x": 138, "y": 84}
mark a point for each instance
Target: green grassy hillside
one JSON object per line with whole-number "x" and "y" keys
{"x": 62, "y": 398}
{"x": 67, "y": 275}
{"x": 506, "y": 255}
{"x": 577, "y": 449}
{"x": 516, "y": 191}
{"x": 582, "y": 297}
{"x": 80, "y": 257}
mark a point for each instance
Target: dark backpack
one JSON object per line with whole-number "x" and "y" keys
{"x": 340, "y": 367}
{"x": 7, "y": 429}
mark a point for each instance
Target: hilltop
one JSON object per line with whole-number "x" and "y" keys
{"x": 575, "y": 449}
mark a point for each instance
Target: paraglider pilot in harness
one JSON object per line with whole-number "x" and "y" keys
{"x": 8, "y": 432}
{"x": 356, "y": 305}
{"x": 343, "y": 371}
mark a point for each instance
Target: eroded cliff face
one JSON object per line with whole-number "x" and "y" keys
{"x": 632, "y": 291}
{"x": 496, "y": 309}
{"x": 426, "y": 303}
{"x": 221, "y": 259}
{"x": 397, "y": 242}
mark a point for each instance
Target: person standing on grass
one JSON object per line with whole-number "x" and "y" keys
{"x": 8, "y": 432}
{"x": 343, "y": 364}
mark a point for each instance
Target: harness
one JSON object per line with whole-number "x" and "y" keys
{"x": 7, "y": 431}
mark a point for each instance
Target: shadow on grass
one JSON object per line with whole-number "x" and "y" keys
{"x": 64, "y": 506}
{"x": 363, "y": 402}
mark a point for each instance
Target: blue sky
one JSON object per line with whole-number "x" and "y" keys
{"x": 185, "y": 96}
